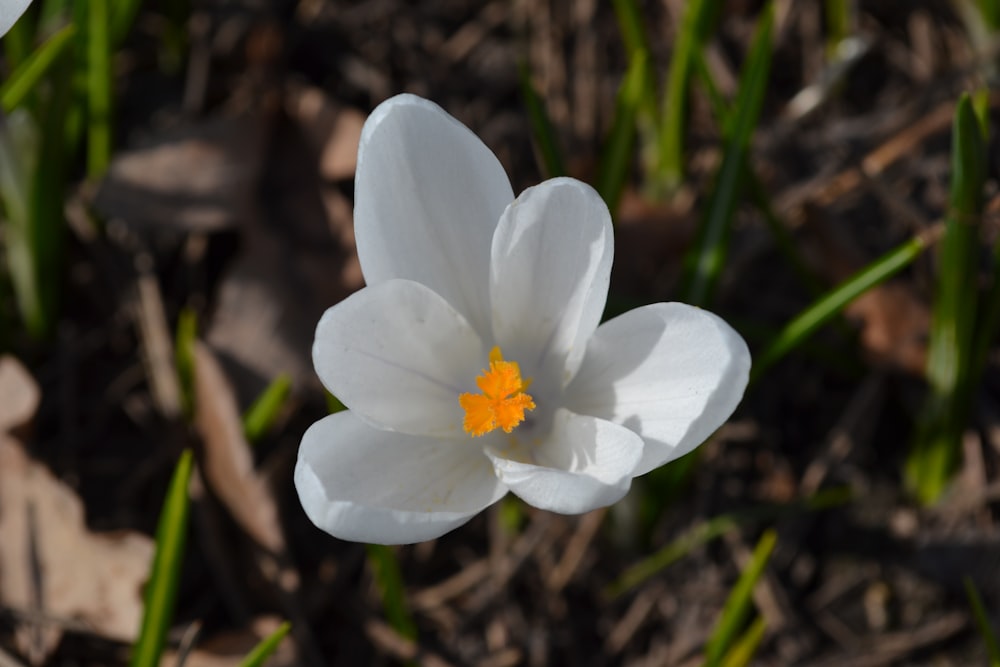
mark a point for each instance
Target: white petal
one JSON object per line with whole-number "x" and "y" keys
{"x": 428, "y": 194}
{"x": 551, "y": 264}
{"x": 584, "y": 464}
{"x": 10, "y": 12}
{"x": 358, "y": 483}
{"x": 399, "y": 356}
{"x": 671, "y": 372}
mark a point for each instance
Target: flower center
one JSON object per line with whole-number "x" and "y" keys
{"x": 503, "y": 401}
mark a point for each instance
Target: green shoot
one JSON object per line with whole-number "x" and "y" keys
{"x": 830, "y": 305}
{"x": 687, "y": 46}
{"x": 711, "y": 529}
{"x": 161, "y": 589}
{"x": 950, "y": 374}
{"x": 260, "y": 417}
{"x": 541, "y": 126}
{"x": 266, "y": 647}
{"x": 184, "y": 341}
{"x": 23, "y": 80}
{"x": 746, "y": 646}
{"x": 740, "y": 602}
{"x": 98, "y": 89}
{"x": 982, "y": 620}
{"x": 389, "y": 580}
{"x": 707, "y": 257}
{"x": 614, "y": 166}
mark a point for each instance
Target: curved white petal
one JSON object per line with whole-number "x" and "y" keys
{"x": 551, "y": 263}
{"x": 427, "y": 197}
{"x": 585, "y": 463}
{"x": 672, "y": 373}
{"x": 358, "y": 483}
{"x": 399, "y": 356}
{"x": 10, "y": 12}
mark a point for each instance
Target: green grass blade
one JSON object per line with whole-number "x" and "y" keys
{"x": 687, "y": 46}
{"x": 98, "y": 89}
{"x": 633, "y": 30}
{"x": 266, "y": 647}
{"x": 19, "y": 39}
{"x": 389, "y": 579}
{"x": 740, "y": 602}
{"x": 261, "y": 416}
{"x": 937, "y": 447}
{"x": 613, "y": 169}
{"x": 710, "y": 529}
{"x": 24, "y": 79}
{"x": 184, "y": 340}
{"x": 541, "y": 126}
{"x": 161, "y": 589}
{"x": 982, "y": 620}
{"x": 123, "y": 13}
{"x": 838, "y": 24}
{"x": 830, "y": 305}
{"x": 707, "y": 257}
{"x": 746, "y": 646}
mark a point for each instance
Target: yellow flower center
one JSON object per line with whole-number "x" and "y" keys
{"x": 503, "y": 401}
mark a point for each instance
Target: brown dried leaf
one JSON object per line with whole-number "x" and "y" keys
{"x": 228, "y": 649}
{"x": 19, "y": 395}
{"x": 50, "y": 564}
{"x": 200, "y": 176}
{"x": 228, "y": 464}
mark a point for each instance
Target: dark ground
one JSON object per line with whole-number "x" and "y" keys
{"x": 231, "y": 195}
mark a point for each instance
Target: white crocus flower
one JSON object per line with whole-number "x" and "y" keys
{"x": 472, "y": 363}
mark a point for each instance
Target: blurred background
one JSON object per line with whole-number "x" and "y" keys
{"x": 176, "y": 195}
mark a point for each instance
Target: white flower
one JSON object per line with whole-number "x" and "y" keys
{"x": 472, "y": 364}
{"x": 10, "y": 12}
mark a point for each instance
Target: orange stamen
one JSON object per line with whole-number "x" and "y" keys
{"x": 503, "y": 401}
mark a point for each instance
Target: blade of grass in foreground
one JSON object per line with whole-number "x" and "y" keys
{"x": 541, "y": 126}
{"x": 983, "y": 623}
{"x": 266, "y": 647}
{"x": 613, "y": 169}
{"x": 740, "y": 601}
{"x": 23, "y": 80}
{"x": 831, "y": 304}
{"x": 746, "y": 646}
{"x": 161, "y": 589}
{"x": 389, "y": 579}
{"x": 937, "y": 447}
{"x": 706, "y": 259}
{"x": 260, "y": 417}
{"x": 710, "y": 529}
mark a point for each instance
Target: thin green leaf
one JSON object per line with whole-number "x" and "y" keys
{"x": 830, "y": 305}
{"x": 161, "y": 589}
{"x": 633, "y": 31}
{"x": 266, "y": 647}
{"x": 983, "y": 622}
{"x": 838, "y": 24}
{"x": 707, "y": 257}
{"x": 950, "y": 356}
{"x": 541, "y": 126}
{"x": 19, "y": 39}
{"x": 261, "y": 416}
{"x": 708, "y": 530}
{"x": 98, "y": 89}
{"x": 123, "y": 14}
{"x": 184, "y": 340}
{"x": 23, "y": 80}
{"x": 740, "y": 602}
{"x": 389, "y": 579}
{"x": 687, "y": 46}
{"x": 613, "y": 169}
{"x": 746, "y": 646}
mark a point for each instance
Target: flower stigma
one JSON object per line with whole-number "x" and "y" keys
{"x": 502, "y": 402}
